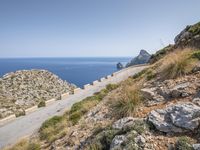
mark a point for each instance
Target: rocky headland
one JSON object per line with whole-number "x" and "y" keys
{"x": 22, "y": 89}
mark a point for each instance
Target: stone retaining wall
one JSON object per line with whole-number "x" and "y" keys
{"x": 77, "y": 90}
{"x": 108, "y": 77}
{"x": 87, "y": 86}
{"x": 30, "y": 110}
{"x": 7, "y": 119}
{"x": 49, "y": 102}
{"x": 102, "y": 79}
{"x": 95, "y": 82}
{"x": 64, "y": 96}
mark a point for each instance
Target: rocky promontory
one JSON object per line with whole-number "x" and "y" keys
{"x": 142, "y": 58}
{"x": 22, "y": 89}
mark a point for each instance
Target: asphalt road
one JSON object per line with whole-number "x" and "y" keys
{"x": 24, "y": 126}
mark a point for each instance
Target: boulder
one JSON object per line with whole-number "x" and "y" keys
{"x": 180, "y": 90}
{"x": 117, "y": 141}
{"x": 196, "y": 146}
{"x": 176, "y": 118}
{"x": 185, "y": 115}
{"x": 152, "y": 96}
{"x": 160, "y": 119}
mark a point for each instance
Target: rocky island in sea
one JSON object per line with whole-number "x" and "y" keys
{"x": 25, "y": 88}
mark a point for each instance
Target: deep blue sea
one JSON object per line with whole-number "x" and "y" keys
{"x": 79, "y": 71}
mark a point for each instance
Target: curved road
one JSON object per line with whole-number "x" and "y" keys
{"x": 11, "y": 132}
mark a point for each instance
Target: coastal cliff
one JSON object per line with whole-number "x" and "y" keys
{"x": 22, "y": 89}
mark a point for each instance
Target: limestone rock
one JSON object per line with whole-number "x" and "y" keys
{"x": 196, "y": 146}
{"x": 117, "y": 141}
{"x": 176, "y": 118}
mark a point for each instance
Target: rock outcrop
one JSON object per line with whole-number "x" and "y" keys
{"x": 120, "y": 66}
{"x": 190, "y": 36}
{"x": 142, "y": 58}
{"x": 23, "y": 89}
{"x": 176, "y": 118}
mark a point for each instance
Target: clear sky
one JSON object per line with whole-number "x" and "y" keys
{"x": 80, "y": 28}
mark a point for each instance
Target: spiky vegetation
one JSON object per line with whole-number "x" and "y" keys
{"x": 129, "y": 99}
{"x": 183, "y": 143}
{"x": 176, "y": 64}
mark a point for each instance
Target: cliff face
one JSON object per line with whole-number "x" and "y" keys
{"x": 142, "y": 58}
{"x": 26, "y": 88}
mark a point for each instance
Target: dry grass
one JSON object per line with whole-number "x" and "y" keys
{"x": 53, "y": 128}
{"x": 24, "y": 144}
{"x": 128, "y": 101}
{"x": 176, "y": 64}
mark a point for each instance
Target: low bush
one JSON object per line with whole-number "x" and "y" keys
{"x": 196, "y": 55}
{"x": 183, "y": 143}
{"x": 42, "y": 104}
{"x": 20, "y": 113}
{"x": 53, "y": 128}
{"x": 111, "y": 87}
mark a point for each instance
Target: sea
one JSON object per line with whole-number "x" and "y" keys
{"x": 79, "y": 71}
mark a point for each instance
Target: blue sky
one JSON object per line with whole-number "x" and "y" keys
{"x": 80, "y": 28}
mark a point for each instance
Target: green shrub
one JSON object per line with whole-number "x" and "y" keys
{"x": 111, "y": 87}
{"x": 183, "y": 143}
{"x": 150, "y": 75}
{"x": 53, "y": 128}
{"x": 139, "y": 74}
{"x": 51, "y": 122}
{"x": 42, "y": 104}
{"x": 196, "y": 55}
{"x": 195, "y": 29}
{"x": 25, "y": 145}
{"x": 20, "y": 113}
{"x": 34, "y": 146}
{"x": 80, "y": 108}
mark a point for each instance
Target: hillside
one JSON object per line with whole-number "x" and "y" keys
{"x": 157, "y": 109}
{"x": 23, "y": 89}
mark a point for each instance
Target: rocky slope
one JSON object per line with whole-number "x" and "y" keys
{"x": 142, "y": 58}
{"x": 23, "y": 89}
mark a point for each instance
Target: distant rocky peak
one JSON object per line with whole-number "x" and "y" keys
{"x": 144, "y": 52}
{"x": 142, "y": 58}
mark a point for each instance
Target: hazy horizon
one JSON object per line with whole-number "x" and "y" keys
{"x": 106, "y": 28}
